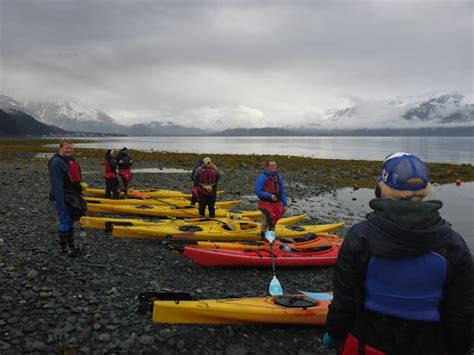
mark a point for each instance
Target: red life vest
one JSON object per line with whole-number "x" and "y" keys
{"x": 74, "y": 171}
{"x": 126, "y": 174}
{"x": 272, "y": 185}
{"x": 109, "y": 173}
{"x": 207, "y": 180}
{"x": 208, "y": 176}
{"x": 72, "y": 177}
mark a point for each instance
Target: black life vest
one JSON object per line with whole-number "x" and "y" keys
{"x": 272, "y": 185}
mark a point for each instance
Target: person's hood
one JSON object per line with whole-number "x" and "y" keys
{"x": 406, "y": 228}
{"x": 268, "y": 173}
{"x": 63, "y": 157}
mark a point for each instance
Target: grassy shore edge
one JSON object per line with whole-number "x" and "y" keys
{"x": 330, "y": 172}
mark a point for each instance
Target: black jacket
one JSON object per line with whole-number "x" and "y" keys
{"x": 127, "y": 161}
{"x": 403, "y": 229}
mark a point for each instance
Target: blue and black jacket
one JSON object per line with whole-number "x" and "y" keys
{"x": 62, "y": 185}
{"x": 404, "y": 282}
{"x": 267, "y": 196}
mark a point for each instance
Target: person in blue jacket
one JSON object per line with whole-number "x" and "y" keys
{"x": 403, "y": 281}
{"x": 271, "y": 192}
{"x": 66, "y": 194}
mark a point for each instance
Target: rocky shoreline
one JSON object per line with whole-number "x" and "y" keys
{"x": 52, "y": 303}
{"x": 87, "y": 305}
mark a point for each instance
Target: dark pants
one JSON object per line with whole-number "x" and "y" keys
{"x": 112, "y": 188}
{"x": 123, "y": 185}
{"x": 209, "y": 201}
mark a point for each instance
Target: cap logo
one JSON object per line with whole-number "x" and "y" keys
{"x": 385, "y": 175}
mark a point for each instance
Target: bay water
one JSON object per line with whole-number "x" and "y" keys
{"x": 459, "y": 150}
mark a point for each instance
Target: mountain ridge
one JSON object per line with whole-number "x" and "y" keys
{"x": 399, "y": 114}
{"x": 14, "y": 123}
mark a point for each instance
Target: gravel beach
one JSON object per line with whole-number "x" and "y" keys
{"x": 52, "y": 303}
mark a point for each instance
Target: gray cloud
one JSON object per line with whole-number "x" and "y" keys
{"x": 236, "y": 61}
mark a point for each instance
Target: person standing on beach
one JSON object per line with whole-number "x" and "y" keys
{"x": 403, "y": 281}
{"x": 206, "y": 178}
{"x": 124, "y": 162}
{"x": 195, "y": 192}
{"x": 110, "y": 176}
{"x": 66, "y": 194}
{"x": 271, "y": 192}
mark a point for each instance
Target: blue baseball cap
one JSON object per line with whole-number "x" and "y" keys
{"x": 404, "y": 171}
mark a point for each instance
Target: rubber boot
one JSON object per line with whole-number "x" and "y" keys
{"x": 62, "y": 240}
{"x": 73, "y": 249}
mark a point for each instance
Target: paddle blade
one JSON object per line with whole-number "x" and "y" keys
{"x": 317, "y": 296}
{"x": 270, "y": 236}
{"x": 275, "y": 289}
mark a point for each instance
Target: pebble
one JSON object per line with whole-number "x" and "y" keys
{"x": 4, "y": 345}
{"x": 236, "y": 350}
{"x": 104, "y": 337}
{"x": 32, "y": 274}
{"x": 146, "y": 339}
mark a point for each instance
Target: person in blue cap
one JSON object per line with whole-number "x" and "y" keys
{"x": 403, "y": 281}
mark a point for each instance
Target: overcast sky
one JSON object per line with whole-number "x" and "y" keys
{"x": 253, "y": 62}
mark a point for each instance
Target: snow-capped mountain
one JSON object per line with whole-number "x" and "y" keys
{"x": 74, "y": 115}
{"x": 70, "y": 108}
{"x": 67, "y": 113}
{"x": 336, "y": 114}
{"x": 443, "y": 109}
{"x": 437, "y": 111}
{"x": 8, "y": 103}
{"x": 401, "y": 112}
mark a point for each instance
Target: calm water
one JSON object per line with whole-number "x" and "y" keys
{"x": 435, "y": 149}
{"x": 352, "y": 206}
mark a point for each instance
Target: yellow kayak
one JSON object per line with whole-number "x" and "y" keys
{"x": 107, "y": 223}
{"x": 286, "y": 309}
{"x": 218, "y": 231}
{"x": 145, "y": 193}
{"x": 174, "y": 202}
{"x": 166, "y": 211}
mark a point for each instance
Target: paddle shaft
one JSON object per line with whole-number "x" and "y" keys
{"x": 273, "y": 259}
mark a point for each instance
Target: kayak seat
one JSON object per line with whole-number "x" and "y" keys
{"x": 319, "y": 249}
{"x": 190, "y": 228}
{"x": 296, "y": 228}
{"x": 144, "y": 207}
{"x": 305, "y": 238}
{"x": 295, "y": 302}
